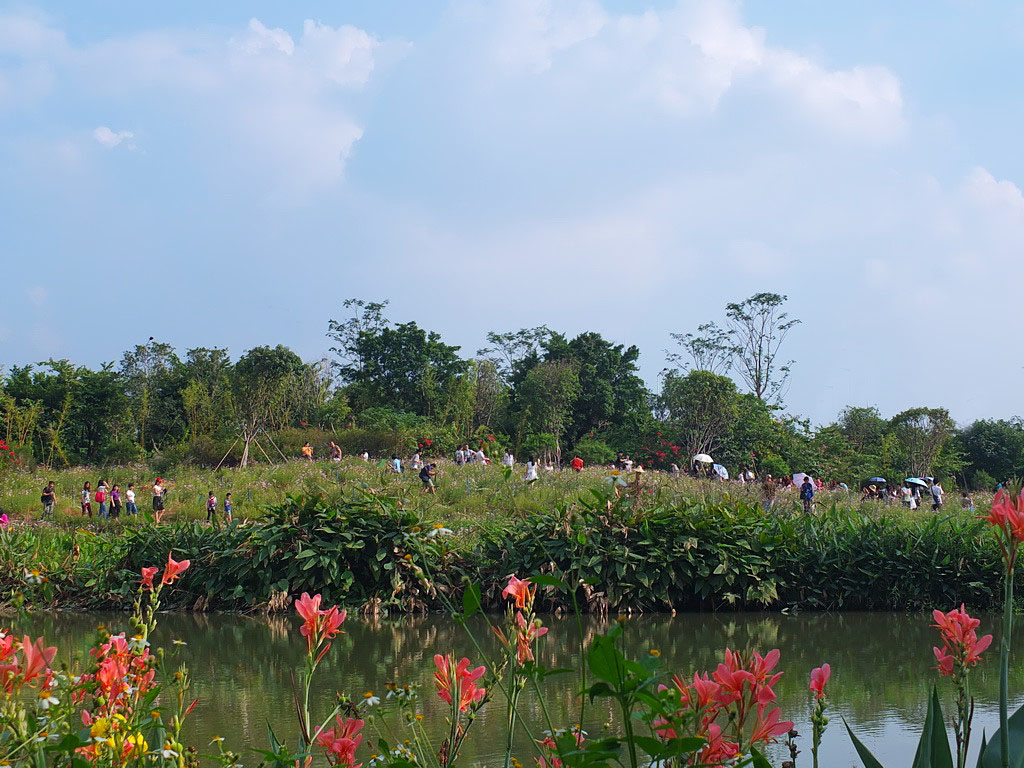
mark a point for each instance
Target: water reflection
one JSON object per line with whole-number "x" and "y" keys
{"x": 242, "y": 667}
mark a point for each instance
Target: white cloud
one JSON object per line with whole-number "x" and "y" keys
{"x": 261, "y": 102}
{"x": 111, "y": 139}
{"x": 682, "y": 60}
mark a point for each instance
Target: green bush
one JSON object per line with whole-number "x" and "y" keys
{"x": 594, "y": 452}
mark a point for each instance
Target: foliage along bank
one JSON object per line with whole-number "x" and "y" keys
{"x": 364, "y": 550}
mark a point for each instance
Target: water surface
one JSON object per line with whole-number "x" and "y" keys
{"x": 882, "y": 669}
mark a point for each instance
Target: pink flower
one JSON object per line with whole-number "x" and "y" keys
{"x": 174, "y": 569}
{"x": 318, "y": 625}
{"x": 147, "y": 576}
{"x": 458, "y": 679}
{"x": 340, "y": 743}
{"x": 519, "y": 590}
{"x": 3, "y": 520}
{"x": 528, "y": 632}
{"x": 960, "y": 643}
{"x": 819, "y": 677}
{"x": 769, "y": 726}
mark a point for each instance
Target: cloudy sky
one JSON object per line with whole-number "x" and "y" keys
{"x": 225, "y": 174}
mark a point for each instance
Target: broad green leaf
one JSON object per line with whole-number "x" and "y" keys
{"x": 991, "y": 753}
{"x": 863, "y": 752}
{"x": 547, "y": 580}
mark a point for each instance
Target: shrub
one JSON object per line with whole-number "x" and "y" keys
{"x": 594, "y": 452}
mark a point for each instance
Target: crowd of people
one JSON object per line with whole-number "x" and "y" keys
{"x": 108, "y": 501}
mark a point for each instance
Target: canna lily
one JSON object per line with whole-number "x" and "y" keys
{"x": 528, "y": 632}
{"x": 341, "y": 742}
{"x": 318, "y": 625}
{"x": 960, "y": 643}
{"x": 768, "y": 727}
{"x": 819, "y": 677}
{"x": 458, "y": 679}
{"x": 174, "y": 569}
{"x": 36, "y": 658}
{"x": 519, "y": 590}
{"x": 147, "y": 576}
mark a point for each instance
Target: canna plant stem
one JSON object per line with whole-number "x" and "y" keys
{"x": 1004, "y": 670}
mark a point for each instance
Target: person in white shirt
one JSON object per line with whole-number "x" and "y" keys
{"x": 417, "y": 461}
{"x": 508, "y": 459}
{"x": 460, "y": 457}
{"x": 531, "y": 470}
{"x": 937, "y": 494}
{"x": 130, "y": 507}
{"x": 481, "y": 457}
{"x": 907, "y": 497}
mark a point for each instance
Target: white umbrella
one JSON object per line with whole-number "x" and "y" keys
{"x": 721, "y": 471}
{"x": 703, "y": 458}
{"x": 798, "y": 478}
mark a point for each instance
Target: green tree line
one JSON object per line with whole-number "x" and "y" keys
{"x": 534, "y": 391}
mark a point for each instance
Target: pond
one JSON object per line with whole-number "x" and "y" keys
{"x": 882, "y": 667}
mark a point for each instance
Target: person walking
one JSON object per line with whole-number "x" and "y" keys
{"x": 159, "y": 497}
{"x": 227, "y": 506}
{"x": 531, "y": 470}
{"x": 115, "y": 501}
{"x": 101, "y": 498}
{"x": 770, "y": 489}
{"x": 211, "y": 507}
{"x": 937, "y": 495}
{"x": 86, "y": 496}
{"x": 807, "y": 494}
{"x": 307, "y": 452}
{"x": 130, "y": 507}
{"x": 49, "y": 499}
{"x": 427, "y": 478}
{"x": 416, "y": 462}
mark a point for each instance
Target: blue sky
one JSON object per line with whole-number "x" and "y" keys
{"x": 225, "y": 174}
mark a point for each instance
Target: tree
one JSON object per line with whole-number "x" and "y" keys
{"x": 401, "y": 366}
{"x": 700, "y": 410}
{"x": 153, "y": 378}
{"x": 864, "y": 427}
{"x": 995, "y": 447}
{"x": 610, "y": 392}
{"x": 368, "y": 317}
{"x": 711, "y": 349}
{"x": 919, "y": 437}
{"x": 758, "y": 327}
{"x": 262, "y": 381}
{"x": 545, "y": 399}
{"x": 515, "y": 352}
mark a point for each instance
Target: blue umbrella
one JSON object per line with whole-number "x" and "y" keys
{"x": 916, "y": 481}
{"x": 877, "y": 480}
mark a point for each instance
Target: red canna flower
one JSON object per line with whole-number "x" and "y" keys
{"x": 340, "y": 743}
{"x": 458, "y": 679}
{"x": 318, "y": 625}
{"x": 768, "y": 726}
{"x": 819, "y": 677}
{"x": 35, "y": 658}
{"x": 147, "y": 576}
{"x": 174, "y": 569}
{"x": 961, "y": 646}
{"x": 520, "y": 591}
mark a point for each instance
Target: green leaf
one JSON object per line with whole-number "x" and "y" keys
{"x": 991, "y": 753}
{"x": 471, "y": 599}
{"x": 863, "y": 752}
{"x": 547, "y": 580}
{"x": 604, "y": 659}
{"x": 758, "y": 760}
{"x": 933, "y": 750}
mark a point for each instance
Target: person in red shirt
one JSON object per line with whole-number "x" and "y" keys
{"x": 576, "y": 463}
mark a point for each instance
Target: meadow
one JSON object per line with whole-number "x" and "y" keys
{"x": 369, "y": 538}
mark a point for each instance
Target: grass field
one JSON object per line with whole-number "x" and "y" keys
{"x": 466, "y": 495}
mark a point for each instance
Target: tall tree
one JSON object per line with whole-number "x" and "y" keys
{"x": 759, "y": 327}
{"x": 610, "y": 392}
{"x": 710, "y": 349}
{"x": 920, "y": 436}
{"x": 700, "y": 408}
{"x": 263, "y": 381}
{"x": 514, "y": 352}
{"x": 545, "y": 401}
{"x": 995, "y": 447}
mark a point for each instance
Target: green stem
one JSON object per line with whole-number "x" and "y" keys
{"x": 1004, "y": 670}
